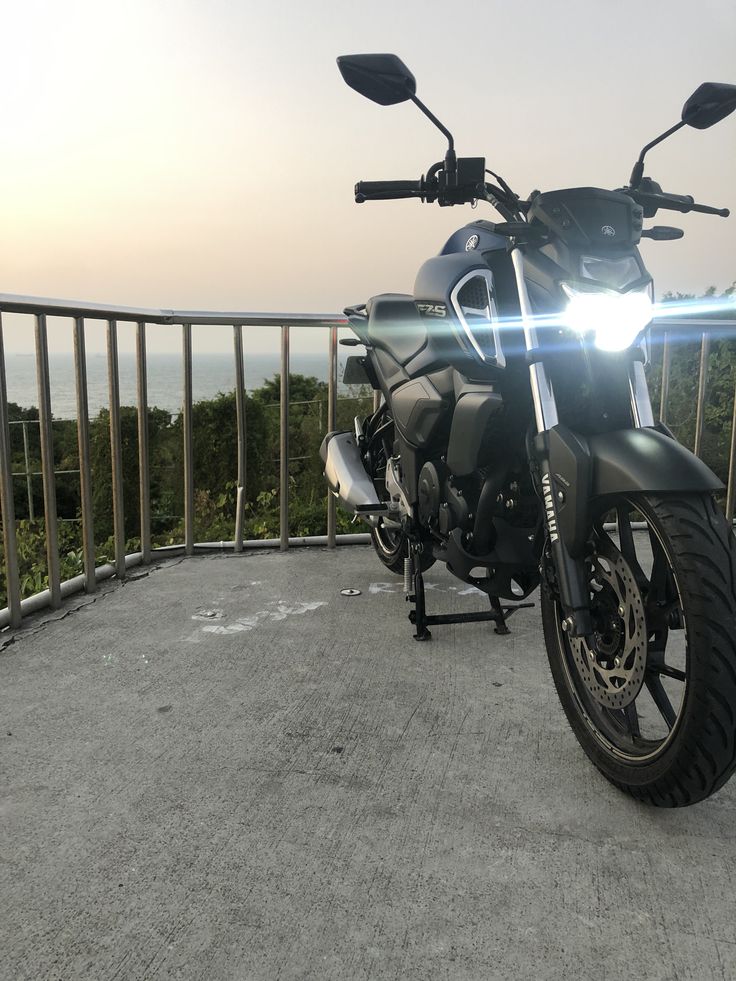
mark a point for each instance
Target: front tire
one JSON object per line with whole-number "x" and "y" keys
{"x": 654, "y": 705}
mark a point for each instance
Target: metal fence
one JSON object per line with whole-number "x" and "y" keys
{"x": 41, "y": 309}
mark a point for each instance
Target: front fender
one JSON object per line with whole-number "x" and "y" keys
{"x": 585, "y": 470}
{"x": 635, "y": 460}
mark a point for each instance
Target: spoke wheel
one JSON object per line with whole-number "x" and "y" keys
{"x": 653, "y": 699}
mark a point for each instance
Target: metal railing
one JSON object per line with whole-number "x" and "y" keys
{"x": 41, "y": 309}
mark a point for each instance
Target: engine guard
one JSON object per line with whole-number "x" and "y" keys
{"x": 513, "y": 559}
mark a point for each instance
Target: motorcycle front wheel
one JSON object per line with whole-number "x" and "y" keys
{"x": 653, "y": 704}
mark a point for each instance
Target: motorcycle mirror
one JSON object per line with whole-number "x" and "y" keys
{"x": 709, "y": 104}
{"x": 382, "y": 78}
{"x": 385, "y": 79}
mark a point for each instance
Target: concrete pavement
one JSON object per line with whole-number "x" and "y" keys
{"x": 224, "y": 769}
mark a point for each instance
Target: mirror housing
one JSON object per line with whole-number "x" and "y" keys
{"x": 382, "y": 78}
{"x": 709, "y": 104}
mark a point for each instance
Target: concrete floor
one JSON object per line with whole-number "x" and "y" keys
{"x": 226, "y": 770}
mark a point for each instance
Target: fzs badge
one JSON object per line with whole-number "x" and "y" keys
{"x": 432, "y": 309}
{"x": 472, "y": 243}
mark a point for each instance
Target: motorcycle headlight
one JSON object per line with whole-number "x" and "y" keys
{"x": 614, "y": 319}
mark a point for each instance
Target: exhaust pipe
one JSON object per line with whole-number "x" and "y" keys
{"x": 348, "y": 478}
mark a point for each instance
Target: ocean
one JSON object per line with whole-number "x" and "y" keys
{"x": 211, "y": 373}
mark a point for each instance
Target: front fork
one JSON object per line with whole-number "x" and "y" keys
{"x": 571, "y": 572}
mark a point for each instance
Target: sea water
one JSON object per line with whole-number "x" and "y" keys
{"x": 211, "y": 374}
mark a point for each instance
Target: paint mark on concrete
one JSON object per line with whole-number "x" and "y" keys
{"x": 278, "y": 611}
{"x": 397, "y": 587}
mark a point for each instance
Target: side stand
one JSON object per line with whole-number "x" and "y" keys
{"x": 499, "y": 613}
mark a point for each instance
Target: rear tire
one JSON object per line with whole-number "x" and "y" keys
{"x": 691, "y": 594}
{"x": 392, "y": 547}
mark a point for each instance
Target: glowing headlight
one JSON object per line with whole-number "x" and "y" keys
{"x": 615, "y": 319}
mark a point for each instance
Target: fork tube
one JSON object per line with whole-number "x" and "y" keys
{"x": 702, "y": 385}
{"x": 665, "y": 388}
{"x": 545, "y": 407}
{"x": 732, "y": 467}
{"x": 571, "y": 575}
{"x": 641, "y": 406}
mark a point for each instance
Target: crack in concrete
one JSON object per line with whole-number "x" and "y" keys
{"x": 27, "y": 630}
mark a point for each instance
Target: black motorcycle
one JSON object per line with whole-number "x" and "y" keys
{"x": 516, "y": 443}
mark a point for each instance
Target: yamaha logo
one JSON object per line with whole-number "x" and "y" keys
{"x": 609, "y": 231}
{"x": 472, "y": 243}
{"x": 549, "y": 508}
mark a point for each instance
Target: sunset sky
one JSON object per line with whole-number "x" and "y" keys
{"x": 202, "y": 155}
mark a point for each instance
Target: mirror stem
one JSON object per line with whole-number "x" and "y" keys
{"x": 450, "y": 158}
{"x": 638, "y": 172}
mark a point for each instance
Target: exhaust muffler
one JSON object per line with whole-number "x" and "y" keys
{"x": 348, "y": 479}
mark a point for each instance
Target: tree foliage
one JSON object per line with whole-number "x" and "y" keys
{"x": 215, "y": 454}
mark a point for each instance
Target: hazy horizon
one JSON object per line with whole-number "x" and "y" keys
{"x": 173, "y": 154}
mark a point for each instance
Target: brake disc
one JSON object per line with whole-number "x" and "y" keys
{"x": 614, "y": 672}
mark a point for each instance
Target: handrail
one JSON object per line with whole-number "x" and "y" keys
{"x": 15, "y": 303}
{"x": 77, "y": 311}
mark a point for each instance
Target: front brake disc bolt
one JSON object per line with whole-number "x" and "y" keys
{"x": 621, "y": 611}
{"x": 617, "y": 662}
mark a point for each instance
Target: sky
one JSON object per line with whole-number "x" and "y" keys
{"x": 172, "y": 153}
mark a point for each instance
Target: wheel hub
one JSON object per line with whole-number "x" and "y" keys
{"x": 614, "y": 672}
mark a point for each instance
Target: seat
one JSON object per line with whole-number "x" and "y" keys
{"x": 395, "y": 325}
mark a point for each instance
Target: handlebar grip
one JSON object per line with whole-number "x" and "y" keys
{"x": 683, "y": 203}
{"x": 705, "y": 209}
{"x": 387, "y": 190}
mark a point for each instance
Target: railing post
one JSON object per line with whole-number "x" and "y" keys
{"x": 732, "y": 466}
{"x": 702, "y": 385}
{"x": 144, "y": 474}
{"x": 116, "y": 448}
{"x": 331, "y": 426}
{"x": 28, "y": 474}
{"x": 284, "y": 442}
{"x": 188, "y": 442}
{"x": 7, "y": 504}
{"x": 665, "y": 388}
{"x": 240, "y": 414}
{"x": 47, "y": 461}
{"x": 85, "y": 466}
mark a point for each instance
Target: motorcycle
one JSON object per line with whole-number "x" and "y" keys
{"x": 516, "y": 442}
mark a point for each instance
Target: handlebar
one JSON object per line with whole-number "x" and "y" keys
{"x": 683, "y": 203}
{"x": 388, "y": 190}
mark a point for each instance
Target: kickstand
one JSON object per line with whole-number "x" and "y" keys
{"x": 500, "y": 617}
{"x": 414, "y": 580}
{"x": 418, "y": 616}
